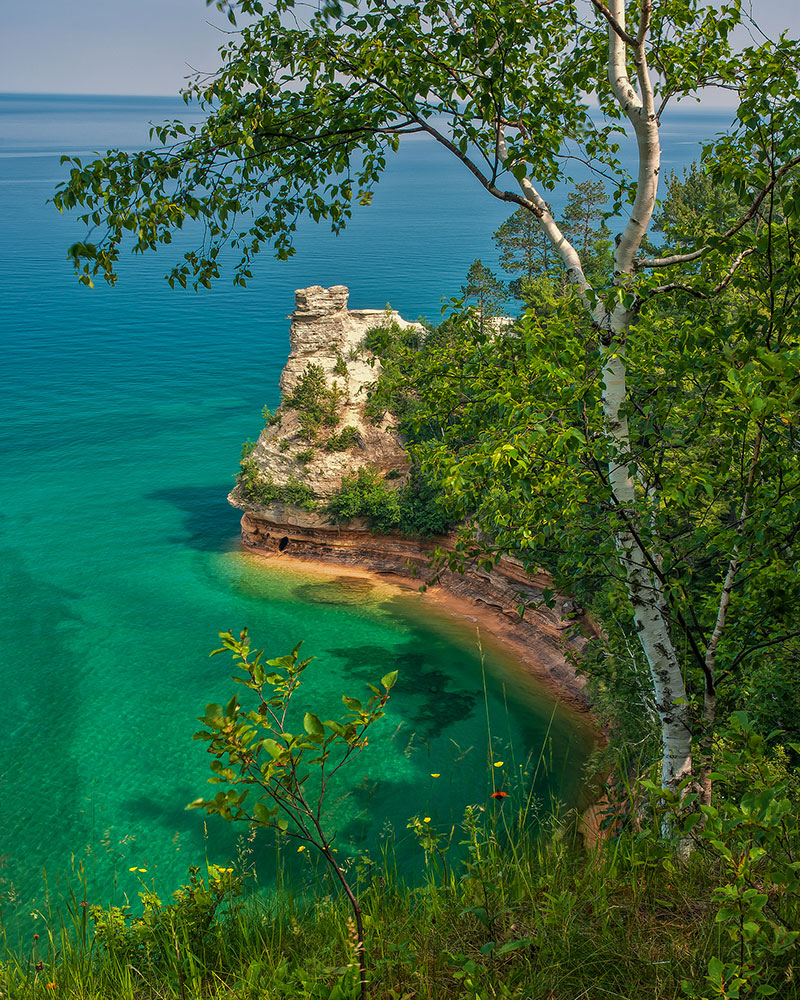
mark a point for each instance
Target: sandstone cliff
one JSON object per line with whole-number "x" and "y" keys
{"x": 325, "y": 333}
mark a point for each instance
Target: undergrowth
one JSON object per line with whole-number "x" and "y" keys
{"x": 527, "y": 913}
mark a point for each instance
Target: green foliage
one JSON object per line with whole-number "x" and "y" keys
{"x": 305, "y": 456}
{"x": 150, "y": 940}
{"x": 585, "y": 227}
{"x": 266, "y": 768}
{"x": 340, "y": 368}
{"x": 366, "y": 494}
{"x": 524, "y": 249}
{"x": 345, "y": 439}
{"x": 298, "y": 494}
{"x": 256, "y": 487}
{"x": 750, "y": 835}
{"x": 390, "y": 339}
{"x": 512, "y": 904}
{"x": 695, "y": 207}
{"x": 316, "y": 402}
{"x": 262, "y": 763}
{"x": 262, "y": 489}
{"x": 488, "y": 292}
{"x": 270, "y": 417}
{"x": 415, "y": 508}
{"x": 513, "y": 431}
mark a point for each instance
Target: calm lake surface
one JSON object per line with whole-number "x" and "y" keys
{"x": 123, "y": 414}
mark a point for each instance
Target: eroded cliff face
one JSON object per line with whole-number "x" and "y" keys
{"x": 326, "y": 333}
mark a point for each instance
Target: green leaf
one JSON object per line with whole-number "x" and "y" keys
{"x": 514, "y": 945}
{"x": 275, "y": 750}
{"x": 389, "y": 680}
{"x": 263, "y": 814}
{"x": 312, "y": 725}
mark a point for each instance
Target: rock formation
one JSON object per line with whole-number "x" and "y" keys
{"x": 325, "y": 333}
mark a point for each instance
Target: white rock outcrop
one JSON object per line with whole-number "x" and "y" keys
{"x": 326, "y": 333}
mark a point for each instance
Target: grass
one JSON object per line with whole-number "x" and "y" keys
{"x": 531, "y": 914}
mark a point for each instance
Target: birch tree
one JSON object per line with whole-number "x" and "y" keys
{"x": 301, "y": 118}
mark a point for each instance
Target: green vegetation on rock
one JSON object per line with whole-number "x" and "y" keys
{"x": 316, "y": 403}
{"x": 262, "y": 489}
{"x": 414, "y": 509}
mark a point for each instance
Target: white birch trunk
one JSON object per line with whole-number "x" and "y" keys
{"x": 647, "y": 599}
{"x": 644, "y": 591}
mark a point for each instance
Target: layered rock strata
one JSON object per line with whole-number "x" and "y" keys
{"x": 324, "y": 331}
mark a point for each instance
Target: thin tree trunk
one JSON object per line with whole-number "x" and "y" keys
{"x": 710, "y": 659}
{"x": 649, "y": 604}
{"x": 643, "y": 591}
{"x": 360, "y": 946}
{"x": 647, "y": 599}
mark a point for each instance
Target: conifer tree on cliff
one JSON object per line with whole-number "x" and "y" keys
{"x": 301, "y": 118}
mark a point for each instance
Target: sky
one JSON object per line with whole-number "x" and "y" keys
{"x": 150, "y": 46}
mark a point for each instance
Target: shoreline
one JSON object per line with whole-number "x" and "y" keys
{"x": 528, "y": 649}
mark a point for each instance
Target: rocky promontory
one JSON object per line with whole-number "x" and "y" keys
{"x": 298, "y": 463}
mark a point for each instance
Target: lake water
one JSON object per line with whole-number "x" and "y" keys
{"x": 123, "y": 414}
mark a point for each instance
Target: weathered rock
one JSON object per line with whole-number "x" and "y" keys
{"x": 325, "y": 332}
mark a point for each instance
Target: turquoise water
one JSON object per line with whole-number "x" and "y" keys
{"x": 123, "y": 414}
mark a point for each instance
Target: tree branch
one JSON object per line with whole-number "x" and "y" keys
{"x": 614, "y": 23}
{"x": 686, "y": 258}
{"x": 696, "y": 292}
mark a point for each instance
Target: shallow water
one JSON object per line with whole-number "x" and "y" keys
{"x": 123, "y": 413}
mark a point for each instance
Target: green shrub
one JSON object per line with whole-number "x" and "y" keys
{"x": 365, "y": 494}
{"x": 414, "y": 509}
{"x": 297, "y": 493}
{"x": 263, "y": 490}
{"x": 270, "y": 417}
{"x": 346, "y": 438}
{"x": 253, "y": 486}
{"x": 423, "y": 508}
{"x": 390, "y": 338}
{"x": 315, "y": 401}
{"x": 306, "y": 455}
{"x": 340, "y": 368}
{"x": 284, "y": 445}
{"x": 150, "y": 939}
